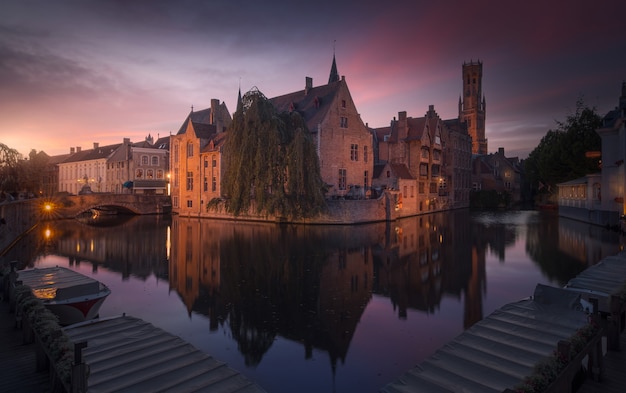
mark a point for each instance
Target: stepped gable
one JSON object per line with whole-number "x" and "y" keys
{"x": 312, "y": 103}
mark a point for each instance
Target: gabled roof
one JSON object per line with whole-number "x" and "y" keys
{"x": 163, "y": 143}
{"x": 200, "y": 121}
{"x": 416, "y": 128}
{"x": 313, "y": 104}
{"x": 401, "y": 171}
{"x": 215, "y": 142}
{"x": 92, "y": 154}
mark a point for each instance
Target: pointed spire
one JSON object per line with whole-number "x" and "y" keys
{"x": 334, "y": 75}
{"x": 239, "y": 100}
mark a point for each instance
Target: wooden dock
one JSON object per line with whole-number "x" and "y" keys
{"x": 123, "y": 354}
{"x": 17, "y": 361}
{"x": 131, "y": 355}
{"x": 614, "y": 379}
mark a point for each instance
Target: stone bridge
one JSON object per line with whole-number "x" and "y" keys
{"x": 71, "y": 206}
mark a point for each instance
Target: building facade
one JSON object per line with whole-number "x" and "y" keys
{"x": 194, "y": 150}
{"x": 472, "y": 106}
{"x": 344, "y": 144}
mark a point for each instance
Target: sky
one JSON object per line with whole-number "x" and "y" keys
{"x": 75, "y": 72}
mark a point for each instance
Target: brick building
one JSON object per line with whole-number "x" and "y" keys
{"x": 344, "y": 144}
{"x": 195, "y": 159}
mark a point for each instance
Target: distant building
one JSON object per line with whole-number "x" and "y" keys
{"x": 599, "y": 198}
{"x": 497, "y": 172}
{"x": 85, "y": 169}
{"x": 139, "y": 168}
{"x": 472, "y": 106}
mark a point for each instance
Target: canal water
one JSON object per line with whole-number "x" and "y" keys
{"x": 319, "y": 308}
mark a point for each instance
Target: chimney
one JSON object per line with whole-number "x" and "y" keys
{"x": 501, "y": 151}
{"x": 72, "y": 150}
{"x": 96, "y": 145}
{"x": 78, "y": 149}
{"x": 213, "y": 116}
{"x": 308, "y": 84}
{"x": 402, "y": 126}
{"x": 126, "y": 141}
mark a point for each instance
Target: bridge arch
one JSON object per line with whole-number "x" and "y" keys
{"x": 70, "y": 206}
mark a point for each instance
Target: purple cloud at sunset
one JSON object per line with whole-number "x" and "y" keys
{"x": 77, "y": 72}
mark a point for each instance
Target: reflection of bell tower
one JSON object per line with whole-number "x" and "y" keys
{"x": 472, "y": 105}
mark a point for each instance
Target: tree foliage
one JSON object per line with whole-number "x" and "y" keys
{"x": 9, "y": 169}
{"x": 561, "y": 153}
{"x": 270, "y": 161}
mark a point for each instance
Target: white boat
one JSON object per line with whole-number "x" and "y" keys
{"x": 72, "y": 296}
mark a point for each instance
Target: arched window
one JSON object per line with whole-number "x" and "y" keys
{"x": 155, "y": 160}
{"x": 149, "y": 174}
{"x": 139, "y": 174}
{"x": 144, "y": 160}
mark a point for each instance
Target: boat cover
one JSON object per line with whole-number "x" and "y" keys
{"x": 606, "y": 278}
{"x": 58, "y": 283}
{"x": 501, "y": 350}
{"x": 128, "y": 354}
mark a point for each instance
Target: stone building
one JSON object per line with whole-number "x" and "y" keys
{"x": 472, "y": 106}
{"x": 195, "y": 158}
{"x": 344, "y": 144}
{"x": 497, "y": 172}
{"x": 418, "y": 153}
{"x": 85, "y": 170}
{"x": 139, "y": 168}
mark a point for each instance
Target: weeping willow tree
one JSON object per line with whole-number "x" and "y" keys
{"x": 270, "y": 162}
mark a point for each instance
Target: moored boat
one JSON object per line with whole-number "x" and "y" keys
{"x": 72, "y": 296}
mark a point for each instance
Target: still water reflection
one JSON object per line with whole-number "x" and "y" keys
{"x": 319, "y": 308}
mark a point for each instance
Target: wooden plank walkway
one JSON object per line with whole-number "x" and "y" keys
{"x": 17, "y": 361}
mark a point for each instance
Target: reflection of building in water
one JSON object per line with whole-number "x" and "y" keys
{"x": 195, "y": 262}
{"x": 425, "y": 258}
{"x": 109, "y": 246}
{"x": 584, "y": 242}
{"x": 307, "y": 284}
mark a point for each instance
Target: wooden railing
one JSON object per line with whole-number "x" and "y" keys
{"x": 61, "y": 379}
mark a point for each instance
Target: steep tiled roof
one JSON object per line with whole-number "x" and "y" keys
{"x": 163, "y": 143}
{"x": 201, "y": 123}
{"x": 416, "y": 126}
{"x": 92, "y": 154}
{"x": 401, "y": 171}
{"x": 313, "y": 104}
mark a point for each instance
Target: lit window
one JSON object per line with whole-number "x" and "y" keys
{"x": 150, "y": 174}
{"x": 139, "y": 173}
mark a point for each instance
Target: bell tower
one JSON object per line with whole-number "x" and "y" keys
{"x": 472, "y": 105}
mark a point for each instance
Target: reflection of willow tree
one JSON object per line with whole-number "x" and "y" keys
{"x": 541, "y": 239}
{"x": 270, "y": 286}
{"x": 270, "y": 162}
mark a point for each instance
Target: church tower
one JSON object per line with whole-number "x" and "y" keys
{"x": 472, "y": 105}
